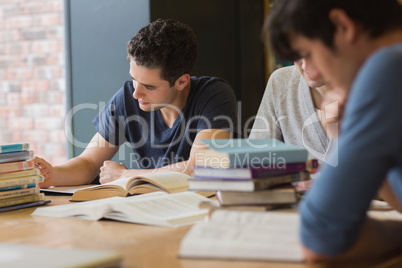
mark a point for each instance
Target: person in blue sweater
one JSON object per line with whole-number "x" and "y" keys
{"x": 357, "y": 47}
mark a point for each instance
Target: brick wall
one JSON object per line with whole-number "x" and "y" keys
{"x": 32, "y": 76}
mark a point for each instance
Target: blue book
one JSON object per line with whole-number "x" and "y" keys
{"x": 17, "y": 187}
{"x": 16, "y": 156}
{"x": 24, "y": 205}
{"x": 226, "y": 153}
{"x": 8, "y": 148}
{"x": 247, "y": 173}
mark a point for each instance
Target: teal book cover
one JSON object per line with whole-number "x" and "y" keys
{"x": 9, "y": 148}
{"x": 251, "y": 153}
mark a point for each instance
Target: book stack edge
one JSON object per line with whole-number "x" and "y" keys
{"x": 250, "y": 177}
{"x": 18, "y": 178}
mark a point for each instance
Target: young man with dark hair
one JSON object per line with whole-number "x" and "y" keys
{"x": 163, "y": 112}
{"x": 357, "y": 46}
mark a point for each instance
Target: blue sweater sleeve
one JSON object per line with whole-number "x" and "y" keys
{"x": 369, "y": 149}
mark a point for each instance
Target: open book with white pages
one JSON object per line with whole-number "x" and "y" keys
{"x": 253, "y": 235}
{"x": 245, "y": 235}
{"x": 18, "y": 255}
{"x": 157, "y": 208}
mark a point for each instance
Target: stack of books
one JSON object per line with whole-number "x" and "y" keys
{"x": 251, "y": 172}
{"x": 18, "y": 178}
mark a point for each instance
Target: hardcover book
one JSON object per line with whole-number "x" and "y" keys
{"x": 16, "y": 156}
{"x": 224, "y": 153}
{"x": 246, "y": 185}
{"x": 22, "y": 173}
{"x": 157, "y": 208}
{"x": 241, "y": 173}
{"x": 214, "y": 205}
{"x": 16, "y": 166}
{"x": 170, "y": 182}
{"x": 8, "y": 148}
{"x": 276, "y": 196}
{"x": 19, "y": 192}
{"x": 23, "y": 186}
{"x": 24, "y": 205}
{"x": 21, "y": 199}
{"x": 20, "y": 181}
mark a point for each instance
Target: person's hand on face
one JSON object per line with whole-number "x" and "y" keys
{"x": 332, "y": 108}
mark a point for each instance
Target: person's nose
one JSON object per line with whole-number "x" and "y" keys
{"x": 303, "y": 64}
{"x": 138, "y": 90}
{"x": 307, "y": 66}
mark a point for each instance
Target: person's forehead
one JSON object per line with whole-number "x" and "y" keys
{"x": 134, "y": 67}
{"x": 145, "y": 75}
{"x": 298, "y": 41}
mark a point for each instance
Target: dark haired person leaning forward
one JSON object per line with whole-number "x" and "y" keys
{"x": 357, "y": 47}
{"x": 163, "y": 112}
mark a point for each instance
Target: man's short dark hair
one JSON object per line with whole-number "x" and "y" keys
{"x": 310, "y": 18}
{"x": 166, "y": 44}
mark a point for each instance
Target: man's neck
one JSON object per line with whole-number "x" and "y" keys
{"x": 388, "y": 39}
{"x": 371, "y": 45}
{"x": 170, "y": 113}
{"x": 364, "y": 47}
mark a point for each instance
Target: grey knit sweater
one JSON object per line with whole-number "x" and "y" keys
{"x": 287, "y": 113}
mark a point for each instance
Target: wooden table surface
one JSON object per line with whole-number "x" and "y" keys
{"x": 140, "y": 245}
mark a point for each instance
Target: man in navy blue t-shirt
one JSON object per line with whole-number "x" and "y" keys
{"x": 357, "y": 47}
{"x": 163, "y": 113}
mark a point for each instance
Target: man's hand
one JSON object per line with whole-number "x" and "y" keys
{"x": 46, "y": 170}
{"x": 111, "y": 171}
{"x": 387, "y": 194}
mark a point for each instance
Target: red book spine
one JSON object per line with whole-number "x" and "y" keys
{"x": 16, "y": 166}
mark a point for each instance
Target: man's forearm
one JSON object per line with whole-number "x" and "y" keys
{"x": 377, "y": 239}
{"x": 388, "y": 195}
{"x": 76, "y": 171}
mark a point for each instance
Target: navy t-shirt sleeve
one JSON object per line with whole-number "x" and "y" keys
{"x": 217, "y": 106}
{"x": 110, "y": 121}
{"x": 369, "y": 149}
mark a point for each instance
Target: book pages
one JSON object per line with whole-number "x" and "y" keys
{"x": 172, "y": 182}
{"x": 158, "y": 208}
{"x": 90, "y": 210}
{"x": 247, "y": 235}
{"x": 17, "y": 255}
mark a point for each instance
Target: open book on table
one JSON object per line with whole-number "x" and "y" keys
{"x": 158, "y": 208}
{"x": 170, "y": 182}
{"x": 246, "y": 235}
{"x": 17, "y": 255}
